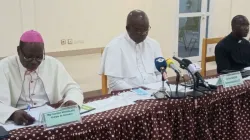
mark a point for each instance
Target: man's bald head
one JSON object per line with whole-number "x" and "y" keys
{"x": 137, "y": 25}
{"x": 136, "y": 16}
{"x": 240, "y": 26}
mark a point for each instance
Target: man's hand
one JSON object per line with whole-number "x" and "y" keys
{"x": 21, "y": 117}
{"x": 69, "y": 103}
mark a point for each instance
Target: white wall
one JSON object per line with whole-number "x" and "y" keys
{"x": 244, "y": 10}
{"x": 96, "y": 22}
{"x": 11, "y": 26}
{"x": 92, "y": 24}
{"x": 220, "y": 19}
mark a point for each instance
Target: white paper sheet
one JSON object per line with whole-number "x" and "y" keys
{"x": 123, "y": 99}
{"x": 107, "y": 104}
{"x": 247, "y": 68}
{"x": 11, "y": 126}
{"x": 158, "y": 85}
{"x": 34, "y": 112}
{"x": 212, "y": 81}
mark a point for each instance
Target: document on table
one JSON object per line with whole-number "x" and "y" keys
{"x": 171, "y": 87}
{"x": 120, "y": 100}
{"x": 34, "y": 112}
{"x": 212, "y": 81}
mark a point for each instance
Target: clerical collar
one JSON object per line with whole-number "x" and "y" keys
{"x": 131, "y": 42}
{"x": 235, "y": 38}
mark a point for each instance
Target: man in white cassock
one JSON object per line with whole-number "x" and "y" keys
{"x": 128, "y": 60}
{"x": 31, "y": 79}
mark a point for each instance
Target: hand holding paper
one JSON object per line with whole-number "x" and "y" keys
{"x": 69, "y": 103}
{"x": 21, "y": 117}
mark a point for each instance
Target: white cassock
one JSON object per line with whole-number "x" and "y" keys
{"x": 128, "y": 64}
{"x": 19, "y": 88}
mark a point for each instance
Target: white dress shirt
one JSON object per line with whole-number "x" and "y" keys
{"x": 33, "y": 92}
{"x": 128, "y": 64}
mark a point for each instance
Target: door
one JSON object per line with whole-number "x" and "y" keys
{"x": 192, "y": 27}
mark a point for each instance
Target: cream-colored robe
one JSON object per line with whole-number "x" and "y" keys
{"x": 57, "y": 82}
{"x": 128, "y": 64}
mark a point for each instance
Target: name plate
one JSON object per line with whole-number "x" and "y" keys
{"x": 61, "y": 116}
{"x": 230, "y": 79}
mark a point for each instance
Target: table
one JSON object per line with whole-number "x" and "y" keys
{"x": 222, "y": 115}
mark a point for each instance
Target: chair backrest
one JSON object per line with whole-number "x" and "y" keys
{"x": 204, "y": 58}
{"x": 104, "y": 81}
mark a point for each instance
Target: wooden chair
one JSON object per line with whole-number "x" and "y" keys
{"x": 104, "y": 81}
{"x": 204, "y": 58}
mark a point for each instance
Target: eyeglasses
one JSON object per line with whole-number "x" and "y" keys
{"x": 30, "y": 59}
{"x": 142, "y": 32}
{"x": 243, "y": 26}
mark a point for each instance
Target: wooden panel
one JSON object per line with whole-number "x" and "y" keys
{"x": 104, "y": 81}
{"x": 214, "y": 40}
{"x": 210, "y": 59}
{"x": 204, "y": 58}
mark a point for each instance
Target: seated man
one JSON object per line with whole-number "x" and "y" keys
{"x": 33, "y": 79}
{"x": 128, "y": 60}
{"x": 233, "y": 52}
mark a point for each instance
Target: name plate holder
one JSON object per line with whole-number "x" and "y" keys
{"x": 61, "y": 116}
{"x": 230, "y": 80}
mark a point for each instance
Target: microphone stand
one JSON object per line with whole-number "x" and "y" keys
{"x": 162, "y": 80}
{"x": 162, "y": 89}
{"x": 193, "y": 77}
{"x": 200, "y": 86}
{"x": 184, "y": 65}
{"x": 177, "y": 81}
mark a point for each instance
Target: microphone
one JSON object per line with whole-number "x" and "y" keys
{"x": 194, "y": 70}
{"x": 183, "y": 65}
{"x": 160, "y": 64}
{"x": 170, "y": 64}
{"x": 177, "y": 71}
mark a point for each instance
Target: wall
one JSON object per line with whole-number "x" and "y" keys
{"x": 240, "y": 7}
{"x": 11, "y": 26}
{"x": 88, "y": 24}
{"x": 92, "y": 24}
{"x": 220, "y": 19}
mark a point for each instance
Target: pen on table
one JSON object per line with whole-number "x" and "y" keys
{"x": 28, "y": 107}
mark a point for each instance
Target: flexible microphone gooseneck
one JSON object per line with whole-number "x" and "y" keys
{"x": 171, "y": 65}
{"x": 184, "y": 65}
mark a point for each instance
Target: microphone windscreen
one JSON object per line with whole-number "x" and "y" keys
{"x": 160, "y": 62}
{"x": 188, "y": 62}
{"x": 169, "y": 62}
{"x": 192, "y": 68}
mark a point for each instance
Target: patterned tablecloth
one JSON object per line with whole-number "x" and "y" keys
{"x": 222, "y": 115}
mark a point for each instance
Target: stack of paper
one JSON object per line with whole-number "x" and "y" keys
{"x": 34, "y": 112}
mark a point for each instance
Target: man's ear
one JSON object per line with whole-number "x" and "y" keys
{"x": 127, "y": 28}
